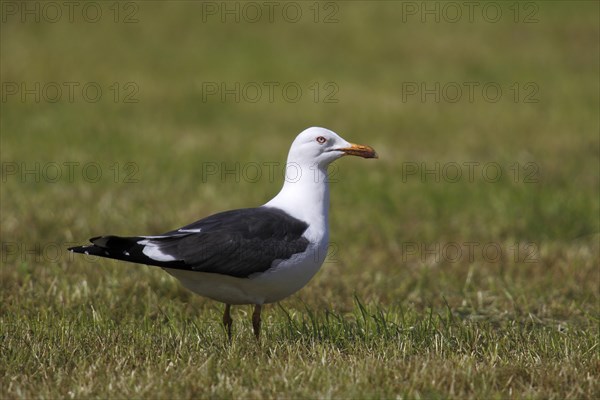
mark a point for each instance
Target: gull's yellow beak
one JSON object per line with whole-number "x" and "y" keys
{"x": 360, "y": 150}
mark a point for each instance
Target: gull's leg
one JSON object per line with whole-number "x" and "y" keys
{"x": 227, "y": 321}
{"x": 256, "y": 320}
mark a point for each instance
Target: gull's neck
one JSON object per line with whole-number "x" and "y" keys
{"x": 305, "y": 194}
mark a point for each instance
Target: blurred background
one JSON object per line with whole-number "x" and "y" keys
{"x": 138, "y": 117}
{"x": 463, "y": 262}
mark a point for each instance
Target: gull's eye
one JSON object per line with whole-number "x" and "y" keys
{"x": 321, "y": 140}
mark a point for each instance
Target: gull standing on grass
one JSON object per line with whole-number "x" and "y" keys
{"x": 252, "y": 255}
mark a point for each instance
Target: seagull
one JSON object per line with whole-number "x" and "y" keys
{"x": 254, "y": 255}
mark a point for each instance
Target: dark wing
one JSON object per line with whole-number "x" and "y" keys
{"x": 236, "y": 243}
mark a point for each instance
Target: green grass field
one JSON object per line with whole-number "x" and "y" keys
{"x": 483, "y": 285}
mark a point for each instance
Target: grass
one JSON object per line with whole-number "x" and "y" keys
{"x": 395, "y": 312}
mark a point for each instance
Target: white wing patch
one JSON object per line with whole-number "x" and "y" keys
{"x": 152, "y": 250}
{"x": 189, "y": 230}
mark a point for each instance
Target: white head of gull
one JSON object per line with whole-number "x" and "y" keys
{"x": 305, "y": 192}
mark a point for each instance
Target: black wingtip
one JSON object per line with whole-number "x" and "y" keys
{"x": 78, "y": 249}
